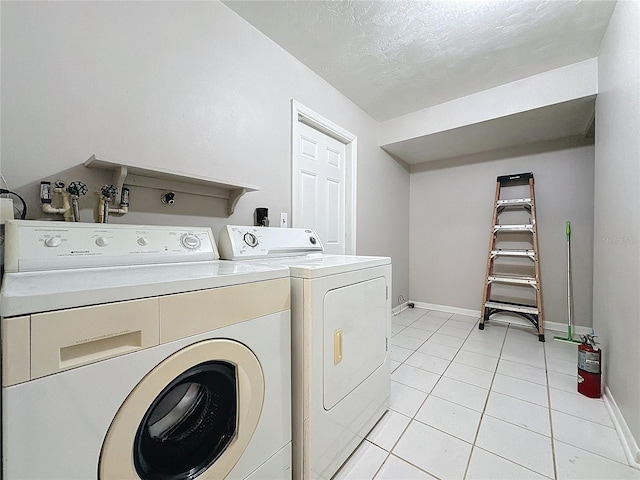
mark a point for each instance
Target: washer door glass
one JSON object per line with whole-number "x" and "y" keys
{"x": 192, "y": 415}
{"x": 189, "y": 424}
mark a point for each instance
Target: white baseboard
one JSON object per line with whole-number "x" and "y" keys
{"x": 553, "y": 326}
{"x": 629, "y": 444}
{"x": 448, "y": 309}
{"x": 399, "y": 309}
{"x": 562, "y": 327}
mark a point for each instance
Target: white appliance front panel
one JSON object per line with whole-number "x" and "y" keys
{"x": 248, "y": 243}
{"x": 355, "y": 336}
{"x": 323, "y": 439}
{"x": 53, "y": 427}
{"x": 40, "y": 245}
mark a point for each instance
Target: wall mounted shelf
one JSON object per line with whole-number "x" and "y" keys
{"x": 161, "y": 179}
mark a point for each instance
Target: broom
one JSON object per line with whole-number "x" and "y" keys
{"x": 568, "y": 338}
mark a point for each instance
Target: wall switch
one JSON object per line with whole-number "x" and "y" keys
{"x": 284, "y": 223}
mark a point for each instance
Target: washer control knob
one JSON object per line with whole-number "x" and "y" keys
{"x": 102, "y": 242}
{"x": 190, "y": 241}
{"x": 53, "y": 242}
{"x": 250, "y": 239}
{"x": 142, "y": 241}
{"x": 313, "y": 240}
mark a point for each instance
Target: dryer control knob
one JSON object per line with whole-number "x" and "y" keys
{"x": 250, "y": 239}
{"x": 190, "y": 241}
{"x": 53, "y": 242}
{"x": 102, "y": 242}
{"x": 142, "y": 241}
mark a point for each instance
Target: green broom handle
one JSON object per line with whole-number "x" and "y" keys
{"x": 568, "y": 230}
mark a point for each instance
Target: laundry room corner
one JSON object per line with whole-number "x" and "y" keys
{"x": 196, "y": 90}
{"x": 319, "y": 240}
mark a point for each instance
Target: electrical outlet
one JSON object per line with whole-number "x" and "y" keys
{"x": 284, "y": 223}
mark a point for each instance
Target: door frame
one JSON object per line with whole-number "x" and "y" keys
{"x": 302, "y": 114}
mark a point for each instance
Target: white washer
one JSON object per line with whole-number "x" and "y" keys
{"x": 341, "y": 325}
{"x": 175, "y": 368}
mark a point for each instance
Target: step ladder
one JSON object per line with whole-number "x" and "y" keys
{"x": 525, "y": 234}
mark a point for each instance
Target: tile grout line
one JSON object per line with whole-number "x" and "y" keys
{"x": 578, "y": 417}
{"x": 482, "y": 414}
{"x": 412, "y": 418}
{"x": 383, "y": 462}
{"x": 434, "y": 386}
{"x": 389, "y": 452}
{"x": 604, "y": 457}
{"x": 511, "y": 461}
{"x": 548, "y": 357}
{"x": 553, "y": 439}
{"x": 489, "y": 390}
{"x": 519, "y": 426}
{"x": 522, "y": 399}
{"x": 553, "y": 445}
{"x": 412, "y": 464}
{"x": 425, "y": 399}
{"x": 419, "y": 346}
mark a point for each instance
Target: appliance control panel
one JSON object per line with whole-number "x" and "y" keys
{"x": 245, "y": 243}
{"x": 40, "y": 245}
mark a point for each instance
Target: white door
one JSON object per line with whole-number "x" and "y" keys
{"x": 320, "y": 180}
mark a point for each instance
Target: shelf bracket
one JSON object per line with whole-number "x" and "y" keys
{"x": 234, "y": 196}
{"x": 119, "y": 175}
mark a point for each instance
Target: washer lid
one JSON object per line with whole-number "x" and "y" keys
{"x": 31, "y": 292}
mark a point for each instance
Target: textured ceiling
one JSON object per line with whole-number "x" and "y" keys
{"x": 396, "y": 57}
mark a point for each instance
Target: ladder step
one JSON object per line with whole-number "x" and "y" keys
{"x": 514, "y": 202}
{"x": 513, "y": 253}
{"x": 512, "y": 279}
{"x": 513, "y": 307}
{"x": 513, "y": 228}
{"x": 517, "y": 179}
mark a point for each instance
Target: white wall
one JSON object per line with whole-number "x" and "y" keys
{"x": 451, "y": 208}
{"x": 186, "y": 86}
{"x": 616, "y": 303}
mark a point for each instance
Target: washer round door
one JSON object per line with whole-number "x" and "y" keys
{"x": 193, "y": 415}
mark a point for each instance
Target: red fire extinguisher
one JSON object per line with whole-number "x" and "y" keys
{"x": 589, "y": 368}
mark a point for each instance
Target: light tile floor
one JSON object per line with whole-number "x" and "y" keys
{"x": 491, "y": 404}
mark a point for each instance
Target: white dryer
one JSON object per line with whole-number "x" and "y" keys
{"x": 131, "y": 352}
{"x": 341, "y": 325}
